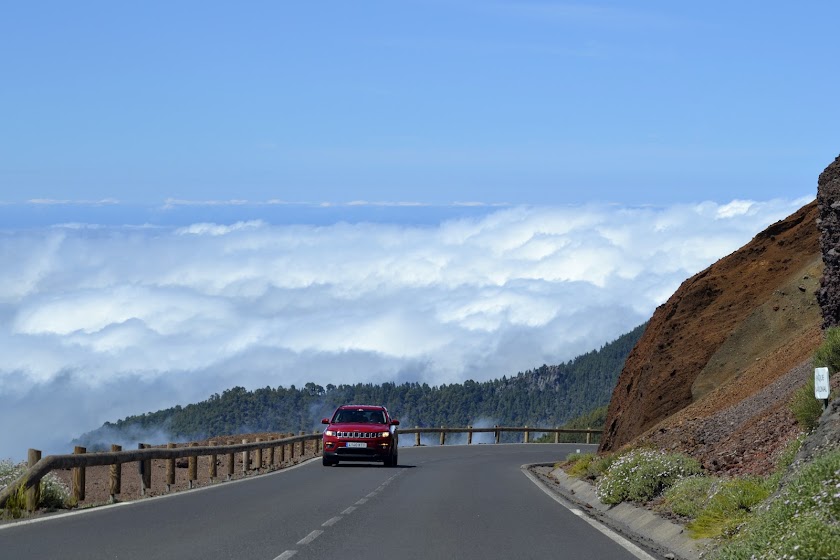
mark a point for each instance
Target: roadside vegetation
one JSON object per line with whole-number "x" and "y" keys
{"x": 54, "y": 493}
{"x": 793, "y": 513}
{"x": 806, "y": 409}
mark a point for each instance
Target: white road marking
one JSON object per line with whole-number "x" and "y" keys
{"x": 362, "y": 501}
{"x": 372, "y": 494}
{"x": 286, "y": 555}
{"x": 606, "y": 531}
{"x": 176, "y": 494}
{"x": 349, "y": 510}
{"x": 331, "y": 522}
{"x": 310, "y": 537}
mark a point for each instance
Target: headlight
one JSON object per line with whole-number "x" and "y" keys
{"x": 384, "y": 434}
{"x": 329, "y": 433}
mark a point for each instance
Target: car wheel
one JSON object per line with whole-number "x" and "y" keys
{"x": 326, "y": 461}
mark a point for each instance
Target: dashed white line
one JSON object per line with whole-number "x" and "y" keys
{"x": 332, "y": 521}
{"x": 310, "y": 537}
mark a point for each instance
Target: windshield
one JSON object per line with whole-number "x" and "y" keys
{"x": 359, "y": 417}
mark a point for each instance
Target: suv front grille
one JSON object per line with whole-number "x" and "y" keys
{"x": 357, "y": 435}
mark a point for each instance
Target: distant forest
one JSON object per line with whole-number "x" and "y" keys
{"x": 546, "y": 396}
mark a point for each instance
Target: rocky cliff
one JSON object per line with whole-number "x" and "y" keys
{"x": 720, "y": 357}
{"x": 828, "y": 201}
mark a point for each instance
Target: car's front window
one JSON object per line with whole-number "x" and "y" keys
{"x": 376, "y": 417}
{"x": 360, "y": 417}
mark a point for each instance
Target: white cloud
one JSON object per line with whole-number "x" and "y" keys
{"x": 170, "y": 315}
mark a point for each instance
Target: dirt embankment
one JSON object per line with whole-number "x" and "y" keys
{"x": 714, "y": 370}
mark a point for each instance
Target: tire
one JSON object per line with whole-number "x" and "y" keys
{"x": 327, "y": 462}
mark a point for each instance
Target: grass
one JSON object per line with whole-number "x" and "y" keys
{"x": 54, "y": 493}
{"x": 802, "y": 522}
{"x": 805, "y": 407}
{"x": 730, "y": 506}
{"x": 688, "y": 496}
{"x": 578, "y": 464}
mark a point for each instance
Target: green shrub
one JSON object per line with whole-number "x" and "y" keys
{"x": 600, "y": 465}
{"x": 805, "y": 407}
{"x": 802, "y": 522}
{"x": 54, "y": 493}
{"x": 642, "y": 474}
{"x": 828, "y": 353}
{"x": 688, "y": 496}
{"x": 579, "y": 464}
{"x": 730, "y": 506}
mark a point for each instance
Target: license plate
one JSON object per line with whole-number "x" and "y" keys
{"x": 356, "y": 444}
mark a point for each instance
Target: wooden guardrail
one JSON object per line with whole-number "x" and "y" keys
{"x": 497, "y": 431}
{"x": 29, "y": 482}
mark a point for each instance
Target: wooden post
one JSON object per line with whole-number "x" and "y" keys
{"x": 193, "y": 467}
{"x": 231, "y": 465}
{"x": 33, "y": 495}
{"x": 259, "y": 460}
{"x": 116, "y": 476}
{"x": 588, "y": 436}
{"x": 498, "y": 433}
{"x": 213, "y": 471}
{"x": 317, "y": 443}
{"x": 170, "y": 470}
{"x": 271, "y": 457}
{"x": 556, "y": 436}
{"x": 291, "y": 452}
{"x": 302, "y": 446}
{"x": 469, "y": 436}
{"x": 145, "y": 471}
{"x": 282, "y": 453}
{"x": 527, "y": 435}
{"x": 442, "y": 436}
{"x": 417, "y": 437}
{"x": 79, "y": 477}
{"x": 246, "y": 459}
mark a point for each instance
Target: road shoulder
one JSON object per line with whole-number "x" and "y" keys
{"x": 668, "y": 539}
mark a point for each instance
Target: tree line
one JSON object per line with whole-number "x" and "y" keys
{"x": 545, "y": 396}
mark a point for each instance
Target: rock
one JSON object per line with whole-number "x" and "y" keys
{"x": 828, "y": 202}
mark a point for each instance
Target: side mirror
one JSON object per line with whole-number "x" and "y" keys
{"x": 395, "y": 422}
{"x": 325, "y": 420}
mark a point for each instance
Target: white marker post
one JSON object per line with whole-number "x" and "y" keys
{"x": 821, "y": 386}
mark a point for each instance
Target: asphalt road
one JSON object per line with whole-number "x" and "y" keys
{"x": 453, "y": 502}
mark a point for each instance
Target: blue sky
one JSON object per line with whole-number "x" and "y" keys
{"x": 438, "y": 102}
{"x": 198, "y": 195}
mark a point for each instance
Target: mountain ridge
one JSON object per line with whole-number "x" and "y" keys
{"x": 747, "y": 323}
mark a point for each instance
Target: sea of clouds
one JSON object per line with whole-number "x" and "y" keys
{"x": 100, "y": 322}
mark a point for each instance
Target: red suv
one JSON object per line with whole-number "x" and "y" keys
{"x": 360, "y": 433}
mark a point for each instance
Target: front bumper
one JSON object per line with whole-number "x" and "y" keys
{"x": 375, "y": 451}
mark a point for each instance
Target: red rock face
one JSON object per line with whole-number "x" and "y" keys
{"x": 828, "y": 200}
{"x": 659, "y": 376}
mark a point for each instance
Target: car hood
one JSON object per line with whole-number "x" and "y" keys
{"x": 354, "y": 427}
